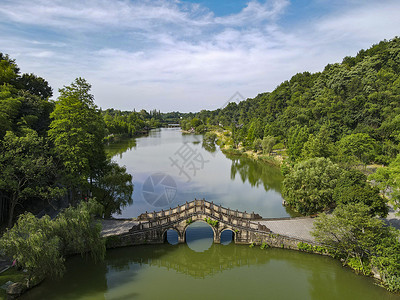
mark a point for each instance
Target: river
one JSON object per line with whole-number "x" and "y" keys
{"x": 170, "y": 168}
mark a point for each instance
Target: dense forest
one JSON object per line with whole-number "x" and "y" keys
{"x": 333, "y": 129}
{"x": 353, "y": 102}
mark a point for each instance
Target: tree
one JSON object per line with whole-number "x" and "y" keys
{"x": 31, "y": 243}
{"x": 351, "y": 233}
{"x": 352, "y": 187}
{"x": 388, "y": 180}
{"x": 251, "y": 134}
{"x": 40, "y": 245}
{"x": 9, "y": 70}
{"x": 77, "y": 131}
{"x": 320, "y": 145}
{"x": 113, "y": 189}
{"x": 35, "y": 85}
{"x": 79, "y": 231}
{"x": 309, "y": 187}
{"x": 268, "y": 143}
{"x": 357, "y": 147}
{"x": 257, "y": 144}
{"x": 297, "y": 136}
{"x": 26, "y": 170}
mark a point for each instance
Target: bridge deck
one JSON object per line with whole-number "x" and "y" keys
{"x": 116, "y": 227}
{"x": 298, "y": 228}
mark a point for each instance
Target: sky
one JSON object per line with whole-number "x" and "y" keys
{"x": 181, "y": 55}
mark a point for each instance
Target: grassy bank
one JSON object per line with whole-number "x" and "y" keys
{"x": 12, "y": 275}
{"x": 225, "y": 142}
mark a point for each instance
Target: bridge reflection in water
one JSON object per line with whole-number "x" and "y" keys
{"x": 199, "y": 236}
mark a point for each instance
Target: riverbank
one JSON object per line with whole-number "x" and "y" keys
{"x": 224, "y": 141}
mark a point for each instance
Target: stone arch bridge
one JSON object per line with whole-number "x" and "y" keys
{"x": 152, "y": 227}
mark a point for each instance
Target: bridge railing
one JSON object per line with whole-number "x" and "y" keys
{"x": 185, "y": 215}
{"x": 198, "y": 205}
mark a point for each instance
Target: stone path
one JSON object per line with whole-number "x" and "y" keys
{"x": 298, "y": 228}
{"x": 116, "y": 227}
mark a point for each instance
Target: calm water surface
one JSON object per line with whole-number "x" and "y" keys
{"x": 200, "y": 269}
{"x": 237, "y": 183}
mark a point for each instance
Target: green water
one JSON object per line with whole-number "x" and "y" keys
{"x": 221, "y": 272}
{"x": 201, "y": 269}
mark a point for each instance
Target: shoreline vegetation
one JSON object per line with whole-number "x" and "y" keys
{"x": 329, "y": 122}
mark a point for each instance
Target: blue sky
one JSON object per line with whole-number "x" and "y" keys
{"x": 186, "y": 55}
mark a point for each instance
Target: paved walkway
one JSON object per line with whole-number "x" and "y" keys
{"x": 116, "y": 227}
{"x": 298, "y": 228}
{"x": 392, "y": 219}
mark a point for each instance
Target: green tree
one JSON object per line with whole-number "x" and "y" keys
{"x": 320, "y": 145}
{"x": 357, "y": 147}
{"x": 309, "y": 187}
{"x": 297, "y": 136}
{"x": 251, "y": 134}
{"x": 351, "y": 233}
{"x": 352, "y": 187}
{"x": 26, "y": 170}
{"x": 35, "y": 85}
{"x": 9, "y": 70}
{"x": 388, "y": 180}
{"x": 195, "y": 122}
{"x": 79, "y": 231}
{"x": 113, "y": 189}
{"x": 257, "y": 144}
{"x": 9, "y": 109}
{"x": 267, "y": 143}
{"x": 77, "y": 131}
{"x": 33, "y": 245}
{"x": 40, "y": 245}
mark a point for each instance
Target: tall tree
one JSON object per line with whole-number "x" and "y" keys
{"x": 35, "y": 85}
{"x": 297, "y": 136}
{"x": 77, "y": 131}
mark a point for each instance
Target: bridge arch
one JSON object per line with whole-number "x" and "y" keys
{"x": 165, "y": 233}
{"x": 232, "y": 230}
{"x": 214, "y": 230}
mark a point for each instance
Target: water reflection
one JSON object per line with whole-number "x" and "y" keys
{"x": 199, "y": 236}
{"x": 226, "y": 272}
{"x": 227, "y": 237}
{"x": 172, "y": 237}
{"x": 238, "y": 183}
{"x": 120, "y": 147}
{"x": 257, "y": 174}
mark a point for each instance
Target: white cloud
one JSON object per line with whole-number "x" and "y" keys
{"x": 171, "y": 55}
